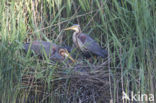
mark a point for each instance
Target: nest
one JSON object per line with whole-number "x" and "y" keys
{"x": 77, "y": 84}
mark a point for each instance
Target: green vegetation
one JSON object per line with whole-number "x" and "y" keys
{"x": 127, "y": 28}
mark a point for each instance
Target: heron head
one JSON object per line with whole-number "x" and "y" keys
{"x": 63, "y": 52}
{"x": 75, "y": 27}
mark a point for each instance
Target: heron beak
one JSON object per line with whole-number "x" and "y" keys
{"x": 71, "y": 28}
{"x": 68, "y": 55}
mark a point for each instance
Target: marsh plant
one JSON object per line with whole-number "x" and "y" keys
{"x": 127, "y": 28}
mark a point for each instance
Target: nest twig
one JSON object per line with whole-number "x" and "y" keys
{"x": 82, "y": 84}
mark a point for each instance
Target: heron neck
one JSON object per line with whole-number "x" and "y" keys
{"x": 75, "y": 36}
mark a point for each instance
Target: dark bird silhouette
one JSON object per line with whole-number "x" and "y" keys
{"x": 51, "y": 50}
{"x": 85, "y": 43}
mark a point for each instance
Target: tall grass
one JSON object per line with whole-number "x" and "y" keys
{"x": 127, "y": 28}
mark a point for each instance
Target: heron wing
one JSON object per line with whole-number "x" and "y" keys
{"x": 39, "y": 47}
{"x": 90, "y": 45}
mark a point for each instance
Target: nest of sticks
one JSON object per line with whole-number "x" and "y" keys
{"x": 80, "y": 83}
